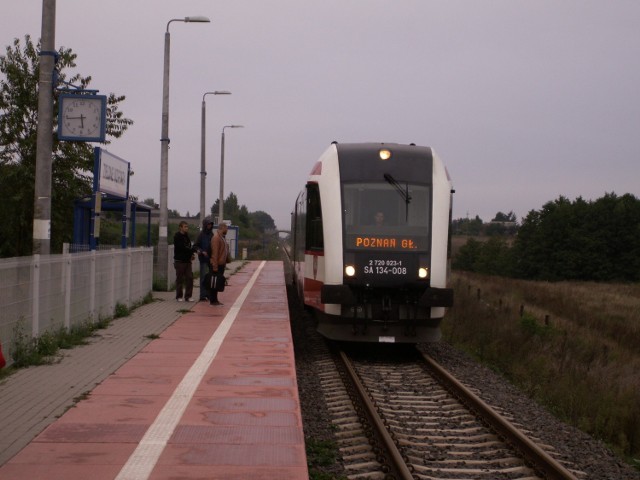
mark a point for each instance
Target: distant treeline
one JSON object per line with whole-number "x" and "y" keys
{"x": 580, "y": 240}
{"x": 501, "y": 224}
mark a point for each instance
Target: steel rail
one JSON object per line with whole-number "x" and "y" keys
{"x": 542, "y": 462}
{"x": 399, "y": 464}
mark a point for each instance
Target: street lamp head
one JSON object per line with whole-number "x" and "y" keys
{"x": 217, "y": 92}
{"x": 232, "y": 126}
{"x": 197, "y": 18}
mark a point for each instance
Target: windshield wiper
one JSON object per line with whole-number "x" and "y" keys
{"x": 404, "y": 193}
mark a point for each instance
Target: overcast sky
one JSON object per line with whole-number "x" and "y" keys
{"x": 524, "y": 100}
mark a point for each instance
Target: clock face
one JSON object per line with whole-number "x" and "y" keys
{"x": 81, "y": 118}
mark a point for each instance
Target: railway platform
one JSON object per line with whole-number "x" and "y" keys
{"x": 214, "y": 396}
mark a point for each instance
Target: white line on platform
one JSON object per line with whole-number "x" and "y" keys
{"x": 146, "y": 455}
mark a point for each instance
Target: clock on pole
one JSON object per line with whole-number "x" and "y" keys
{"x": 82, "y": 117}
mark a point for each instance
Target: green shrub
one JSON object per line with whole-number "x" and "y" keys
{"x": 121, "y": 311}
{"x": 43, "y": 349}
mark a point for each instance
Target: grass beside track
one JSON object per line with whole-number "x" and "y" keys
{"x": 572, "y": 346}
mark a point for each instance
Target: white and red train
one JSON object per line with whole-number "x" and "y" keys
{"x": 370, "y": 243}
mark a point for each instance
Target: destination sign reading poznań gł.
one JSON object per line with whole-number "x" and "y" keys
{"x": 373, "y": 242}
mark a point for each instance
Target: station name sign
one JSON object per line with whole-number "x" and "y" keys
{"x": 113, "y": 175}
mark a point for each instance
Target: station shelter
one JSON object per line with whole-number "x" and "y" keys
{"x": 110, "y": 193}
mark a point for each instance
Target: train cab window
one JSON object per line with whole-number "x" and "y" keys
{"x": 314, "y": 231}
{"x": 379, "y": 210}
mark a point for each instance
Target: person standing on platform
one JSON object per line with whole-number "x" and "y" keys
{"x": 203, "y": 244}
{"x": 219, "y": 257}
{"x": 183, "y": 254}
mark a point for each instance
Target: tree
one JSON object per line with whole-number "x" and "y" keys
{"x": 504, "y": 217}
{"x": 581, "y": 240}
{"x": 238, "y": 215}
{"x": 493, "y": 257}
{"x": 72, "y": 162}
{"x": 468, "y": 256}
{"x": 151, "y": 202}
{"x": 262, "y": 221}
{"x": 465, "y": 226}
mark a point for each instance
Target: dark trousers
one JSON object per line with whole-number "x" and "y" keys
{"x": 184, "y": 279}
{"x": 213, "y": 295}
{"x": 204, "y": 289}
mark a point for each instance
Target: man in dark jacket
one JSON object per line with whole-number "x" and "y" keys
{"x": 183, "y": 251}
{"x": 203, "y": 244}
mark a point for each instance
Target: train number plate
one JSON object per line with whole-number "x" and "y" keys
{"x": 385, "y": 267}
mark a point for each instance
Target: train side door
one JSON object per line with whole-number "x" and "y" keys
{"x": 314, "y": 230}
{"x": 314, "y": 248}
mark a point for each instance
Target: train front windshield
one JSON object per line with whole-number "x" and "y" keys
{"x": 387, "y": 216}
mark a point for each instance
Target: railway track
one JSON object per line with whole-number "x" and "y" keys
{"x": 410, "y": 419}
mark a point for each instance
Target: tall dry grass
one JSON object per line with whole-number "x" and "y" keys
{"x": 572, "y": 346}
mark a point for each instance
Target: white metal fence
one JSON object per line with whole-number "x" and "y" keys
{"x": 46, "y": 293}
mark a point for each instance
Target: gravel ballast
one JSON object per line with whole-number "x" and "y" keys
{"x": 585, "y": 454}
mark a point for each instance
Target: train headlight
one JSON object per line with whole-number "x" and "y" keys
{"x": 350, "y": 270}
{"x": 423, "y": 272}
{"x": 385, "y": 154}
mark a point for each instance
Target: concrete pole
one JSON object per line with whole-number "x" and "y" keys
{"x": 163, "y": 244}
{"x": 163, "y": 255}
{"x": 44, "y": 145}
{"x": 221, "y": 201}
{"x": 203, "y": 166}
{"x": 221, "y": 197}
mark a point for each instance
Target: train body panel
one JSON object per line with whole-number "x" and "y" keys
{"x": 330, "y": 196}
{"x": 370, "y": 243}
{"x": 441, "y": 224}
{"x": 314, "y": 279}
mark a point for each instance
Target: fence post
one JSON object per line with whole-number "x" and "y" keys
{"x": 35, "y": 295}
{"x": 112, "y": 282}
{"x": 92, "y": 289}
{"x": 169, "y": 266}
{"x": 149, "y": 271}
{"x": 66, "y": 272}
{"x": 127, "y": 277}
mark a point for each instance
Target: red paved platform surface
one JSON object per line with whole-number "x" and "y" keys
{"x": 215, "y": 397}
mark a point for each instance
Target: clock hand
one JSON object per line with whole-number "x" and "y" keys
{"x": 81, "y": 118}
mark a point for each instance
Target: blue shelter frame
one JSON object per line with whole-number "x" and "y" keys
{"x": 110, "y": 193}
{"x": 83, "y": 218}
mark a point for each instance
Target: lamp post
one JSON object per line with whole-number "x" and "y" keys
{"x": 203, "y": 168}
{"x": 221, "y": 198}
{"x": 163, "y": 253}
